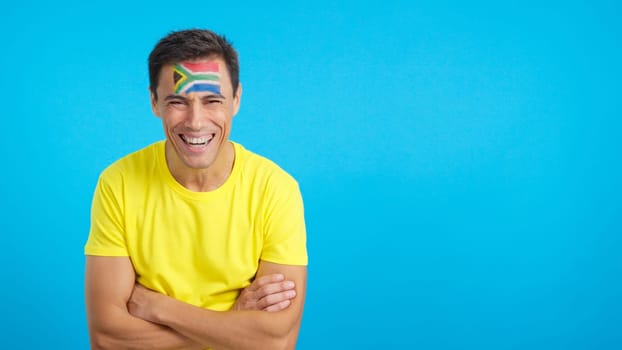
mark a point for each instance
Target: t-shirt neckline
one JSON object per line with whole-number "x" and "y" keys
{"x": 179, "y": 188}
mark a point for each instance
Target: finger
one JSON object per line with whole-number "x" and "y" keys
{"x": 273, "y": 288}
{"x": 275, "y": 298}
{"x": 279, "y": 306}
{"x": 264, "y": 280}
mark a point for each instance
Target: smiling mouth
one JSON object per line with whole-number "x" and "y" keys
{"x": 197, "y": 141}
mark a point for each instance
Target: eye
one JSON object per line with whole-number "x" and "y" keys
{"x": 177, "y": 103}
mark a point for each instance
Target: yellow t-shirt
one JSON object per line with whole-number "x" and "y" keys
{"x": 198, "y": 247}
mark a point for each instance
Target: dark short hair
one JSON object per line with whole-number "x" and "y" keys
{"x": 192, "y": 44}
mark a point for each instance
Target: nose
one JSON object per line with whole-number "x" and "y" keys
{"x": 195, "y": 118}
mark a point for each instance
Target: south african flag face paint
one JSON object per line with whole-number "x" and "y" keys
{"x": 196, "y": 77}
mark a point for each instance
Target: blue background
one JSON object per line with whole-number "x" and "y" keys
{"x": 460, "y": 161}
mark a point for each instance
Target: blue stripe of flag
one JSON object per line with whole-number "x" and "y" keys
{"x": 204, "y": 88}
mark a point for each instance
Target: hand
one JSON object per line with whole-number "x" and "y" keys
{"x": 142, "y": 302}
{"x": 268, "y": 293}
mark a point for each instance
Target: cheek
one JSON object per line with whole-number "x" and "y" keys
{"x": 220, "y": 116}
{"x": 172, "y": 116}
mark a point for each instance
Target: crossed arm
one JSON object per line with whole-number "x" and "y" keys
{"x": 123, "y": 315}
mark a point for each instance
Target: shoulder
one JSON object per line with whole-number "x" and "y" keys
{"x": 262, "y": 169}
{"x": 138, "y": 163}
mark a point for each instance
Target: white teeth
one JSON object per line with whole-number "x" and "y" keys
{"x": 196, "y": 140}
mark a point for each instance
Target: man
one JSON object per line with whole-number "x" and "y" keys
{"x": 195, "y": 242}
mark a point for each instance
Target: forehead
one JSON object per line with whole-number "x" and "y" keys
{"x": 207, "y": 74}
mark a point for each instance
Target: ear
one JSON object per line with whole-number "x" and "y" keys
{"x": 154, "y": 103}
{"x": 237, "y": 98}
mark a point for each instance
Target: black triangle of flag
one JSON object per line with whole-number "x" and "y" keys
{"x": 177, "y": 77}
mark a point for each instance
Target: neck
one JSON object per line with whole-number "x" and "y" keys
{"x": 205, "y": 179}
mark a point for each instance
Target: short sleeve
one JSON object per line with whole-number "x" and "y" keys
{"x": 106, "y": 236}
{"x": 284, "y": 231}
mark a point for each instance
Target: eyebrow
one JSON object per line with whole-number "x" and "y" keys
{"x": 180, "y": 97}
{"x": 214, "y": 95}
{"x": 174, "y": 97}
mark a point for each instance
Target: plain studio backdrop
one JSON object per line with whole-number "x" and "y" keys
{"x": 459, "y": 161}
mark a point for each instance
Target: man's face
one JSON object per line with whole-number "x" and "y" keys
{"x": 196, "y": 104}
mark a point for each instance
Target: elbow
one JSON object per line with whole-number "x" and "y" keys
{"x": 100, "y": 341}
{"x": 290, "y": 342}
{"x": 284, "y": 336}
{"x": 285, "y": 344}
{"x": 277, "y": 343}
{"x": 270, "y": 339}
{"x": 283, "y": 341}
{"x": 97, "y": 342}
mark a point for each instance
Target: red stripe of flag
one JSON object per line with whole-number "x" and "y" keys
{"x": 201, "y": 66}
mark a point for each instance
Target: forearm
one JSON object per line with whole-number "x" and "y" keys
{"x": 227, "y": 330}
{"x": 124, "y": 331}
{"x": 109, "y": 282}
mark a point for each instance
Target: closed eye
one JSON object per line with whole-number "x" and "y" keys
{"x": 211, "y": 100}
{"x": 175, "y": 100}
